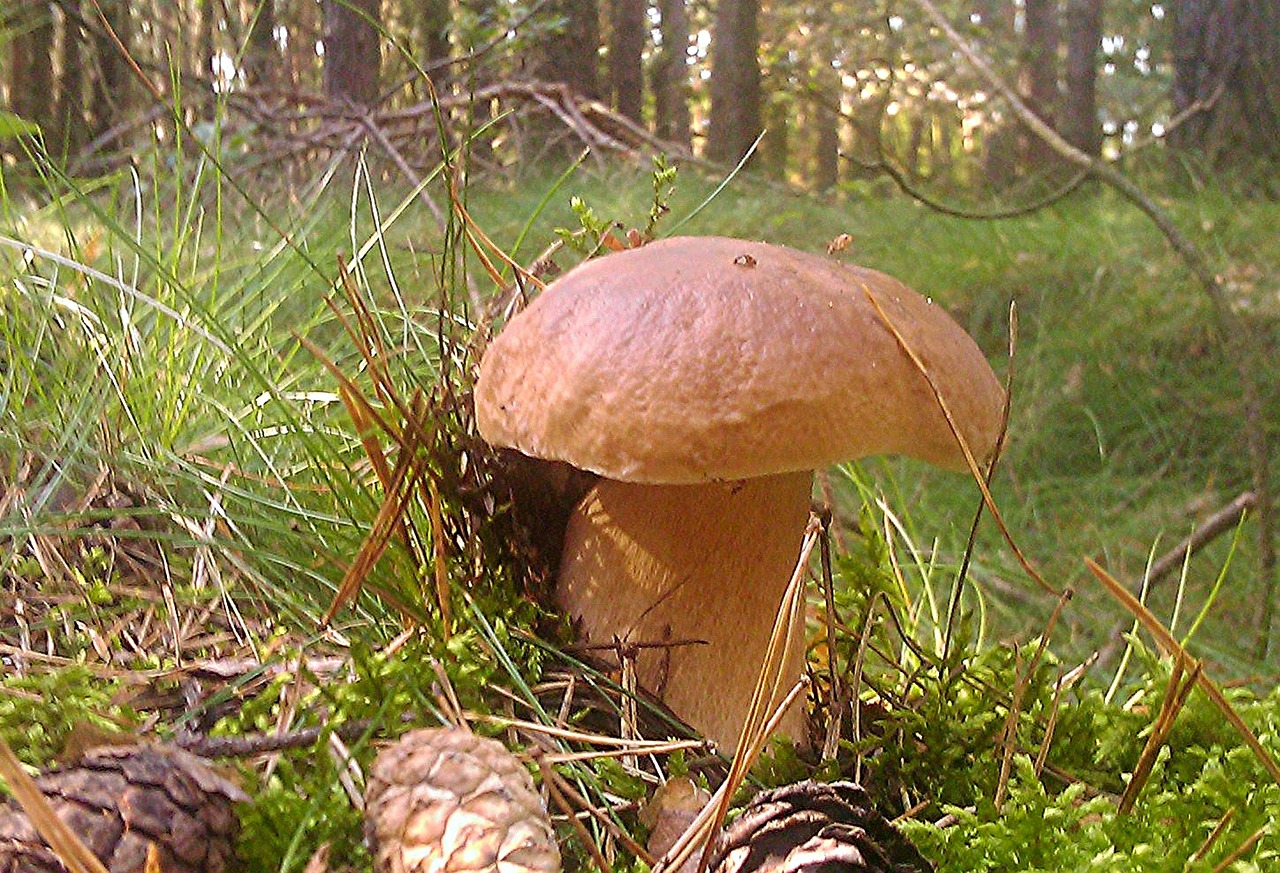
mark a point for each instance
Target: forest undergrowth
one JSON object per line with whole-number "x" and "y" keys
{"x": 242, "y": 498}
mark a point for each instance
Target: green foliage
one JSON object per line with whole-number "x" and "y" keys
{"x": 591, "y": 228}
{"x": 1202, "y": 775}
{"x": 664, "y": 186}
{"x": 1072, "y": 830}
{"x": 39, "y": 711}
{"x": 299, "y": 807}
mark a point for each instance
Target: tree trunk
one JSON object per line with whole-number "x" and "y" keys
{"x": 114, "y": 85}
{"x": 999, "y": 141}
{"x": 351, "y": 51}
{"x": 31, "y": 76}
{"x": 72, "y": 126}
{"x": 205, "y": 47}
{"x": 775, "y": 148}
{"x": 433, "y": 35}
{"x": 1226, "y": 87}
{"x": 826, "y": 114}
{"x": 626, "y": 46}
{"x": 735, "y": 81}
{"x": 998, "y": 16}
{"x": 261, "y": 57}
{"x": 671, "y": 74}
{"x": 942, "y": 166}
{"x": 1040, "y": 75}
{"x": 1080, "y": 103}
{"x": 912, "y": 158}
{"x": 569, "y": 56}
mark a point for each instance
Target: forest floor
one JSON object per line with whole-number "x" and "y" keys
{"x": 188, "y": 485}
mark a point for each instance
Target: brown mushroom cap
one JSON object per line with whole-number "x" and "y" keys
{"x": 695, "y": 359}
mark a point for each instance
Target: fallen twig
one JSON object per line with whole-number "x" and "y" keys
{"x": 1221, "y": 521}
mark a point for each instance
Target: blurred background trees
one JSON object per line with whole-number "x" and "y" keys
{"x": 840, "y": 89}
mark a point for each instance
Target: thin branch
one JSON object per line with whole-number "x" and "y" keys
{"x": 1221, "y": 521}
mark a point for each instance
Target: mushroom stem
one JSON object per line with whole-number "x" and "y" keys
{"x": 673, "y": 563}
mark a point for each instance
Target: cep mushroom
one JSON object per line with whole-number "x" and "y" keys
{"x": 704, "y": 379}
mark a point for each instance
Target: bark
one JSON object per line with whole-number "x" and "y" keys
{"x": 1226, "y": 87}
{"x": 72, "y": 129}
{"x": 113, "y": 86}
{"x": 998, "y": 16}
{"x": 300, "y": 68}
{"x": 206, "y": 44}
{"x": 775, "y": 148}
{"x": 351, "y": 51}
{"x": 915, "y": 143}
{"x": 826, "y": 115}
{"x": 999, "y": 143}
{"x": 1080, "y": 102}
{"x": 671, "y": 74}
{"x": 433, "y": 33}
{"x": 31, "y": 74}
{"x": 261, "y": 58}
{"x": 942, "y": 158}
{"x": 626, "y": 46}
{"x": 1040, "y": 75}
{"x": 735, "y": 81}
{"x": 569, "y": 55}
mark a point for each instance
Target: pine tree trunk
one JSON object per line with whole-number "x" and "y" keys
{"x": 261, "y": 57}
{"x": 205, "y": 47}
{"x": 626, "y": 47}
{"x": 999, "y": 142}
{"x": 1040, "y": 75}
{"x": 433, "y": 35}
{"x": 1225, "y": 87}
{"x": 351, "y": 51}
{"x": 775, "y": 148}
{"x": 735, "y": 81}
{"x": 31, "y": 76}
{"x": 942, "y": 164}
{"x": 1080, "y": 103}
{"x": 72, "y": 126}
{"x": 113, "y": 86}
{"x": 826, "y": 115}
{"x": 569, "y": 56}
{"x": 671, "y": 74}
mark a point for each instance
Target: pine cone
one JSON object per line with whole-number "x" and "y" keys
{"x": 814, "y": 827}
{"x": 448, "y": 801}
{"x": 120, "y": 800}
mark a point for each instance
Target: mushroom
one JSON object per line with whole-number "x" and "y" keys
{"x": 704, "y": 379}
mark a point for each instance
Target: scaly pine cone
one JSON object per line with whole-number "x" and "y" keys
{"x": 448, "y": 801}
{"x": 120, "y": 800}
{"x": 814, "y": 827}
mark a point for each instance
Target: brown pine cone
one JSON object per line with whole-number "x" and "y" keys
{"x": 120, "y": 800}
{"x": 447, "y": 801}
{"x": 814, "y": 827}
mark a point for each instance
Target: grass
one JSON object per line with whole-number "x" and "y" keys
{"x": 183, "y": 481}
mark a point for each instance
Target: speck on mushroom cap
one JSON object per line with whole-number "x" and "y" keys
{"x": 694, "y": 359}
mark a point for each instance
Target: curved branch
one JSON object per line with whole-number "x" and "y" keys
{"x": 918, "y": 194}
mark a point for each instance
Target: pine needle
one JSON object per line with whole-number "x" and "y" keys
{"x": 1170, "y": 645}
